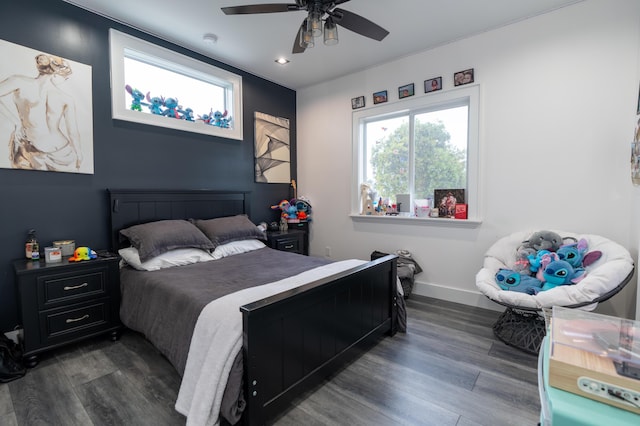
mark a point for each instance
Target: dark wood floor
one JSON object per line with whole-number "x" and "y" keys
{"x": 447, "y": 370}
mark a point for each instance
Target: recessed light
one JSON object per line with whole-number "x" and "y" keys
{"x": 282, "y": 61}
{"x": 210, "y": 38}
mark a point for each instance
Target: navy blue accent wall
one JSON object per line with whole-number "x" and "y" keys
{"x": 126, "y": 155}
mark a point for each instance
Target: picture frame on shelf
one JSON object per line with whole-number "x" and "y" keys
{"x": 380, "y": 97}
{"x": 357, "y": 102}
{"x": 406, "y": 91}
{"x": 433, "y": 85}
{"x": 446, "y": 201}
{"x": 461, "y": 78}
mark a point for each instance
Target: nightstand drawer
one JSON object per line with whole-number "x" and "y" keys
{"x": 292, "y": 241}
{"x": 289, "y": 244}
{"x": 63, "y": 323}
{"x": 71, "y": 287}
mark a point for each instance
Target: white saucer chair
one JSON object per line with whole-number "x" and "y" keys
{"x": 522, "y": 324}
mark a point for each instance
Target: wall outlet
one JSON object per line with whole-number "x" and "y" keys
{"x": 327, "y": 252}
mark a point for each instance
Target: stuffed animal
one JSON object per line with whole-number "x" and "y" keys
{"x": 576, "y": 254}
{"x": 510, "y": 280}
{"x": 543, "y": 240}
{"x": 138, "y": 96}
{"x": 560, "y": 272}
{"x": 83, "y": 253}
{"x": 539, "y": 240}
{"x": 304, "y": 209}
{"x": 535, "y": 261}
{"x": 365, "y": 198}
{"x": 289, "y": 211}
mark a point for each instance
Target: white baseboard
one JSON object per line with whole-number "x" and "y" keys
{"x": 465, "y": 297}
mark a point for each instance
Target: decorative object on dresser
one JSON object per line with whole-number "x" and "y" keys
{"x": 64, "y": 302}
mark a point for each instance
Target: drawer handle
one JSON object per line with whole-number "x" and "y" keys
{"x": 289, "y": 246}
{"x": 75, "y": 287}
{"x": 70, "y": 320}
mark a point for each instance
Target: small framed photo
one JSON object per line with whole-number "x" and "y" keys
{"x": 357, "y": 102}
{"x": 406, "y": 91}
{"x": 463, "y": 77}
{"x": 380, "y": 97}
{"x": 433, "y": 84}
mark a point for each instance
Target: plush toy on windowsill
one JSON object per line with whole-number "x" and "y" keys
{"x": 83, "y": 253}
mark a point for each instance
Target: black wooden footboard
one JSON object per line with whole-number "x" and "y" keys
{"x": 293, "y": 340}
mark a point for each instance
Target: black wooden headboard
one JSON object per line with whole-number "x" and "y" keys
{"x": 131, "y": 206}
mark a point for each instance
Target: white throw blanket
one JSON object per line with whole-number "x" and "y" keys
{"x": 217, "y": 339}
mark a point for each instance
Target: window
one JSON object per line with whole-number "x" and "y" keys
{"x": 156, "y": 86}
{"x": 415, "y": 147}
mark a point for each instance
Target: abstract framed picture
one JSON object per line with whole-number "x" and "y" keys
{"x": 46, "y": 112}
{"x": 433, "y": 84}
{"x": 463, "y": 77}
{"x": 272, "y": 149}
{"x": 357, "y": 102}
{"x": 380, "y": 97}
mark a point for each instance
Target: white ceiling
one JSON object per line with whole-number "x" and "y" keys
{"x": 253, "y": 42}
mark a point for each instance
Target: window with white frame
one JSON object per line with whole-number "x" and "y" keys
{"x": 408, "y": 149}
{"x": 156, "y": 86}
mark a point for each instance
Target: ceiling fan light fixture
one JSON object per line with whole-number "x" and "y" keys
{"x": 314, "y": 23}
{"x": 330, "y": 32}
{"x": 306, "y": 39}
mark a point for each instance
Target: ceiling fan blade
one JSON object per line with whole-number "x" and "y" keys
{"x": 260, "y": 8}
{"x": 296, "y": 43}
{"x": 358, "y": 24}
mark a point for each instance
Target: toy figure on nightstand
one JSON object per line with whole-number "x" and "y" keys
{"x": 83, "y": 253}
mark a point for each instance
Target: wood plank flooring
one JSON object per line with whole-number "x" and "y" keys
{"x": 447, "y": 370}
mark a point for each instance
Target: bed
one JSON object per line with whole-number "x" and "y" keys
{"x": 313, "y": 318}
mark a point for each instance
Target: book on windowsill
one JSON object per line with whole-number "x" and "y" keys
{"x": 461, "y": 211}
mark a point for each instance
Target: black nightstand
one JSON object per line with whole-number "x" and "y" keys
{"x": 61, "y": 303}
{"x": 291, "y": 240}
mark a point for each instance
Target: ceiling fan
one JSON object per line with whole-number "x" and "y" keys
{"x": 318, "y": 11}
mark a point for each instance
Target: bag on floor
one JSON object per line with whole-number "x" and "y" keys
{"x": 11, "y": 366}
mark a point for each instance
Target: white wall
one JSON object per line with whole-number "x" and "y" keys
{"x": 558, "y": 99}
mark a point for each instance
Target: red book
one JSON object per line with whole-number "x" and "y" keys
{"x": 461, "y": 211}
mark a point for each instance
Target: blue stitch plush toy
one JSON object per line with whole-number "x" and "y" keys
{"x": 510, "y": 280}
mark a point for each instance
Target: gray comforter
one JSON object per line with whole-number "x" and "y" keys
{"x": 164, "y": 305}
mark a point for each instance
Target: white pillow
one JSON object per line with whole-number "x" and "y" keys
{"x": 177, "y": 257}
{"x": 237, "y": 247}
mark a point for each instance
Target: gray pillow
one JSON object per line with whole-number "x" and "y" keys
{"x": 154, "y": 238}
{"x": 224, "y": 230}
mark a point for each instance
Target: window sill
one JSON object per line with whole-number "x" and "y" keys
{"x": 421, "y": 221}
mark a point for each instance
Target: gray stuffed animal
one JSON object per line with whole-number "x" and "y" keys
{"x": 543, "y": 240}
{"x": 539, "y": 240}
